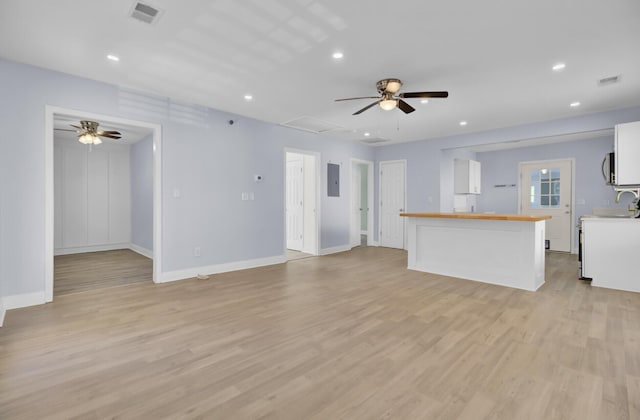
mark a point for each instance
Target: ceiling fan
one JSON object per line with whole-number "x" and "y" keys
{"x": 390, "y": 98}
{"x": 88, "y": 132}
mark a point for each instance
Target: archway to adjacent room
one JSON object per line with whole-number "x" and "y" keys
{"x": 99, "y": 191}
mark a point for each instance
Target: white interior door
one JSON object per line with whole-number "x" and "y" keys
{"x": 356, "y": 203}
{"x": 310, "y": 242}
{"x": 546, "y": 188}
{"x": 294, "y": 208}
{"x": 392, "y": 203}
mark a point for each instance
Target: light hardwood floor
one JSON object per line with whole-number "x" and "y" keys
{"x": 98, "y": 270}
{"x": 348, "y": 336}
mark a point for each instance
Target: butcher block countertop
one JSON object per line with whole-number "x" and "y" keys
{"x": 480, "y": 216}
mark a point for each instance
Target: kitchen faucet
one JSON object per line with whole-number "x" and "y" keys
{"x": 636, "y": 199}
{"x": 635, "y": 192}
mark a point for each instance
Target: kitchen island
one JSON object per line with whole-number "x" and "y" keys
{"x": 502, "y": 249}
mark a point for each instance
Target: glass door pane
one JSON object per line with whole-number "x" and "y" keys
{"x": 545, "y": 188}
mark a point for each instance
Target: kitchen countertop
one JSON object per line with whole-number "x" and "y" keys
{"x": 600, "y": 218}
{"x": 480, "y": 216}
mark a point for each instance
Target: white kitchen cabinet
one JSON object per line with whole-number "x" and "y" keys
{"x": 466, "y": 174}
{"x": 610, "y": 252}
{"x": 627, "y": 148}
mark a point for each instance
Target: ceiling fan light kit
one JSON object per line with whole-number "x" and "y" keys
{"x": 390, "y": 99}
{"x": 88, "y": 133}
{"x": 388, "y": 104}
{"x": 89, "y": 139}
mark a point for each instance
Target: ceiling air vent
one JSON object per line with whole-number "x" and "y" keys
{"x": 608, "y": 80}
{"x": 312, "y": 124}
{"x": 145, "y": 13}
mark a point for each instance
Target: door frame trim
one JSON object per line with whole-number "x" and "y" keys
{"x": 380, "y": 163}
{"x": 318, "y": 184}
{"x": 572, "y": 161}
{"x": 370, "y": 206}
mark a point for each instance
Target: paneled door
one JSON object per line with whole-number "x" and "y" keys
{"x": 546, "y": 189}
{"x": 392, "y": 203}
{"x": 294, "y": 201}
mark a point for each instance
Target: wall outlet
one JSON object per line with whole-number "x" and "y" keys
{"x": 196, "y": 251}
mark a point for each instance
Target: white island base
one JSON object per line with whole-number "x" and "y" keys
{"x": 507, "y": 250}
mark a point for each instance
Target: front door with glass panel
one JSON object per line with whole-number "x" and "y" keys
{"x": 545, "y": 189}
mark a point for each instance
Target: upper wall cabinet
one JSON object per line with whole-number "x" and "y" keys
{"x": 627, "y": 148}
{"x": 466, "y": 175}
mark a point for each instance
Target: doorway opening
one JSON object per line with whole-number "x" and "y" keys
{"x": 302, "y": 203}
{"x": 361, "y": 231}
{"x": 101, "y": 201}
{"x": 546, "y": 188}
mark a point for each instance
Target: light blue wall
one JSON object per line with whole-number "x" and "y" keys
{"x": 208, "y": 160}
{"x": 501, "y": 167}
{"x": 430, "y": 162}
{"x": 142, "y": 193}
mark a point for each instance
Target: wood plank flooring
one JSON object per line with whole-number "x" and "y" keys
{"x": 99, "y": 270}
{"x": 347, "y": 336}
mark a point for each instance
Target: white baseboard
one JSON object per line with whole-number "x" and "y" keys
{"x": 335, "y": 249}
{"x": 373, "y": 243}
{"x": 2, "y": 313}
{"x": 142, "y": 251}
{"x": 22, "y": 301}
{"x": 91, "y": 248}
{"x": 220, "y": 268}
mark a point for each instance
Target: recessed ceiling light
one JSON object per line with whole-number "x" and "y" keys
{"x": 337, "y": 55}
{"x": 574, "y": 104}
{"x": 113, "y": 57}
{"x": 248, "y": 97}
{"x": 424, "y": 101}
{"x": 367, "y": 134}
{"x": 463, "y": 123}
{"x": 558, "y": 67}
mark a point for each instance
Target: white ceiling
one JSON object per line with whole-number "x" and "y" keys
{"x": 493, "y": 56}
